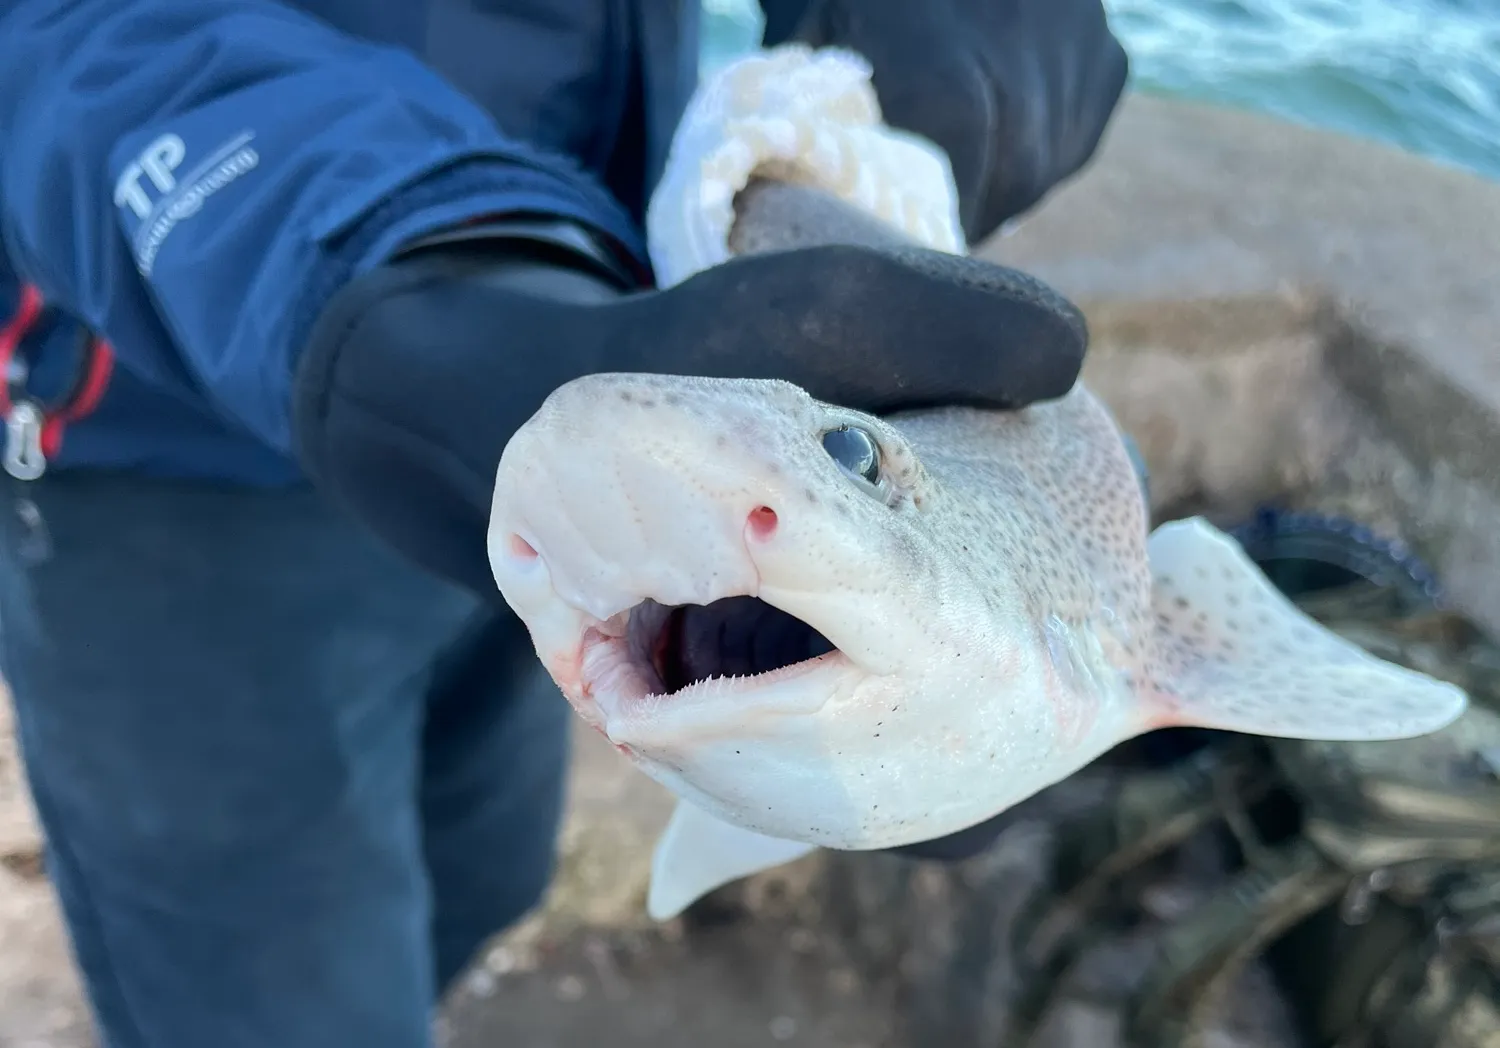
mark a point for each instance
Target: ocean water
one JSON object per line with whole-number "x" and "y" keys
{"x": 1423, "y": 75}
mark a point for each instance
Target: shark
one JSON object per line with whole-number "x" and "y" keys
{"x": 824, "y": 629}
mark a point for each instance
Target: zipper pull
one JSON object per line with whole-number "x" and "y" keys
{"x": 23, "y": 441}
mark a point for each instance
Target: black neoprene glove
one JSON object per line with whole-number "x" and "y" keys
{"x": 418, "y": 374}
{"x": 1018, "y": 92}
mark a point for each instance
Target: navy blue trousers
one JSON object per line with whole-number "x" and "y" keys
{"x": 288, "y": 783}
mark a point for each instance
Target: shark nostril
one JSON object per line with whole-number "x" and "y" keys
{"x": 522, "y": 550}
{"x": 761, "y": 523}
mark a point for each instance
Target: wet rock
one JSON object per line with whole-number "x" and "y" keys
{"x": 1284, "y": 313}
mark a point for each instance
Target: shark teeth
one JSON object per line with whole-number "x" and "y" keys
{"x": 651, "y": 724}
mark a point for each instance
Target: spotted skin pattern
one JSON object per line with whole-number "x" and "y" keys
{"x": 1001, "y": 612}
{"x": 1001, "y": 615}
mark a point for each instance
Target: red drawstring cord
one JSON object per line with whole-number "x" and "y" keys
{"x": 87, "y": 393}
{"x": 88, "y": 388}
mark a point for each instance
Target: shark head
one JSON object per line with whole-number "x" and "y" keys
{"x": 743, "y": 589}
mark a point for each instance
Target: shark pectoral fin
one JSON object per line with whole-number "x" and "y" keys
{"x": 698, "y": 853}
{"x": 1237, "y": 655}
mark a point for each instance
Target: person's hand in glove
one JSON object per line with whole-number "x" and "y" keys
{"x": 1018, "y": 92}
{"x": 418, "y": 373}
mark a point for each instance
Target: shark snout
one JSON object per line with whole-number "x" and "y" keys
{"x": 603, "y": 524}
{"x": 616, "y": 495}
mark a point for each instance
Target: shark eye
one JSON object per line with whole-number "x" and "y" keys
{"x": 855, "y": 451}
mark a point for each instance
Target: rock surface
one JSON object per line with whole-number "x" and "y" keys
{"x": 1277, "y": 312}
{"x": 1283, "y": 311}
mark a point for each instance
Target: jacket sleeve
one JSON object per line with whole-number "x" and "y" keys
{"x": 204, "y": 174}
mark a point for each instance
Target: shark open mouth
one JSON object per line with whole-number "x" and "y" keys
{"x": 675, "y": 647}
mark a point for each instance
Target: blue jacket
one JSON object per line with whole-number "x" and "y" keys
{"x": 194, "y": 178}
